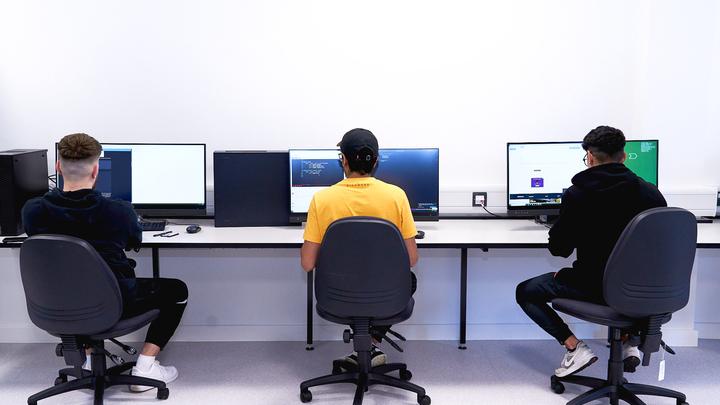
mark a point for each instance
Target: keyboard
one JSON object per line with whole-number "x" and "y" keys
{"x": 153, "y": 226}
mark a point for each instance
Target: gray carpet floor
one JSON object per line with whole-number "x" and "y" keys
{"x": 489, "y": 372}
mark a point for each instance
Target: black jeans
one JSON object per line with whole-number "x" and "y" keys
{"x": 534, "y": 294}
{"x": 379, "y": 332}
{"x": 169, "y": 295}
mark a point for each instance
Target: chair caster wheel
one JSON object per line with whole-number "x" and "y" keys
{"x": 424, "y": 400}
{"x": 405, "y": 375}
{"x": 60, "y": 380}
{"x": 556, "y": 386}
{"x": 682, "y": 402}
{"x": 163, "y": 393}
{"x": 305, "y": 396}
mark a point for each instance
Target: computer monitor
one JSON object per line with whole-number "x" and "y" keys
{"x": 158, "y": 179}
{"x": 642, "y": 158}
{"x": 416, "y": 171}
{"x": 539, "y": 172}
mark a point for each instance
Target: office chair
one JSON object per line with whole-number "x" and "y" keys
{"x": 72, "y": 294}
{"x": 362, "y": 279}
{"x": 647, "y": 278}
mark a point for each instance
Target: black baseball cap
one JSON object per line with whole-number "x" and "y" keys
{"x": 357, "y": 139}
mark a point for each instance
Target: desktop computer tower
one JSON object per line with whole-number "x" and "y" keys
{"x": 252, "y": 188}
{"x": 23, "y": 175}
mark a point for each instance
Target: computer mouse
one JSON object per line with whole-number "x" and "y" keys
{"x": 193, "y": 229}
{"x": 420, "y": 235}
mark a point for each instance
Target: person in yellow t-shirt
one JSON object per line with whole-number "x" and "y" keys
{"x": 359, "y": 194}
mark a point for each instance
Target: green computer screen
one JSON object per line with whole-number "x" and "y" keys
{"x": 642, "y": 158}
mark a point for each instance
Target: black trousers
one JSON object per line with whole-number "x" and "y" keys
{"x": 169, "y": 295}
{"x": 379, "y": 332}
{"x": 534, "y": 294}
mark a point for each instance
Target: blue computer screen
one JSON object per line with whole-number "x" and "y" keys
{"x": 416, "y": 171}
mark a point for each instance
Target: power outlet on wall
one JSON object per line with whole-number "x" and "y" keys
{"x": 479, "y": 199}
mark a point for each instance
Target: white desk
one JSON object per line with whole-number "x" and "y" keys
{"x": 454, "y": 234}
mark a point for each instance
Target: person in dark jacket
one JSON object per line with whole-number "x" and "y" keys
{"x": 594, "y": 212}
{"x": 111, "y": 227}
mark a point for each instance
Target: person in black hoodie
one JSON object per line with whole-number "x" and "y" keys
{"x": 594, "y": 212}
{"x": 111, "y": 227}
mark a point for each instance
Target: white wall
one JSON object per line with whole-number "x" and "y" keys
{"x": 466, "y": 76}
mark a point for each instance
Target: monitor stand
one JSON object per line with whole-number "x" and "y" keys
{"x": 547, "y": 220}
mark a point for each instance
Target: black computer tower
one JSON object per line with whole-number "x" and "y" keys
{"x": 252, "y": 188}
{"x": 23, "y": 175}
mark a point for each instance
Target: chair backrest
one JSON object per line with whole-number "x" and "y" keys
{"x": 648, "y": 272}
{"x": 69, "y": 289}
{"x": 363, "y": 269}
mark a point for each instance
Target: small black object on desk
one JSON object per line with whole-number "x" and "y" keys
{"x": 420, "y": 234}
{"x": 193, "y": 229}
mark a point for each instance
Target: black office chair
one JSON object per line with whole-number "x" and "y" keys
{"x": 362, "y": 279}
{"x": 71, "y": 293}
{"x": 647, "y": 278}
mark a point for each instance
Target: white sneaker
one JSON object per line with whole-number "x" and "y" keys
{"x": 166, "y": 374}
{"x": 377, "y": 358}
{"x": 576, "y": 360}
{"x": 631, "y": 357}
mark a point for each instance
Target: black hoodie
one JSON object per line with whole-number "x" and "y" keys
{"x": 110, "y": 226}
{"x": 594, "y": 212}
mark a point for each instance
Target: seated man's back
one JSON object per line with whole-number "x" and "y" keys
{"x": 362, "y": 196}
{"x": 110, "y": 226}
{"x": 595, "y": 211}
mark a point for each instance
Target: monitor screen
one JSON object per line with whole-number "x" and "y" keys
{"x": 311, "y": 170}
{"x": 642, "y": 158}
{"x": 163, "y": 179}
{"x": 416, "y": 171}
{"x": 538, "y": 173}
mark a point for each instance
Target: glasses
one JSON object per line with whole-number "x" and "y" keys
{"x": 340, "y": 156}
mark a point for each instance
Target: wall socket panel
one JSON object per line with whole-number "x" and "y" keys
{"x": 479, "y": 199}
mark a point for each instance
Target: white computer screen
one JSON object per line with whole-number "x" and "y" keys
{"x": 163, "y": 174}
{"x": 311, "y": 170}
{"x": 538, "y": 173}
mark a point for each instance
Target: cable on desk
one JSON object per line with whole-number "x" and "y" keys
{"x": 493, "y": 214}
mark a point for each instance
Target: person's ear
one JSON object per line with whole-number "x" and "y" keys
{"x": 57, "y": 167}
{"x": 624, "y": 156}
{"x": 591, "y": 159}
{"x": 95, "y": 170}
{"x": 345, "y": 165}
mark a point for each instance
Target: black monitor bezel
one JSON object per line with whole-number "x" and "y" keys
{"x": 551, "y": 209}
{"x": 299, "y": 217}
{"x": 166, "y": 210}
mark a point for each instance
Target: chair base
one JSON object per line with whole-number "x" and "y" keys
{"x": 616, "y": 387}
{"x": 625, "y": 391}
{"x": 376, "y": 376}
{"x": 84, "y": 379}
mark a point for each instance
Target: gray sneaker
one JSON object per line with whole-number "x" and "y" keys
{"x": 576, "y": 360}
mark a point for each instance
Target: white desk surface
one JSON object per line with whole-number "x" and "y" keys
{"x": 510, "y": 233}
{"x": 451, "y": 233}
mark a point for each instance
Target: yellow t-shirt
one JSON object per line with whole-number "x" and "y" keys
{"x": 362, "y": 196}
